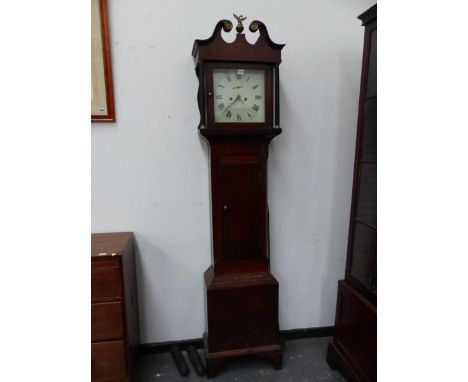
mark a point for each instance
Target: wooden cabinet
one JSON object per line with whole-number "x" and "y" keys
{"x": 114, "y": 307}
{"x": 354, "y": 347}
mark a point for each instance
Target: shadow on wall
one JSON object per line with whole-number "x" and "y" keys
{"x": 343, "y": 165}
{"x": 138, "y": 268}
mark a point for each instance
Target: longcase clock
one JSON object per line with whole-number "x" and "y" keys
{"x": 238, "y": 98}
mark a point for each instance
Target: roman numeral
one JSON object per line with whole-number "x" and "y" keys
{"x": 248, "y": 78}
{"x": 255, "y": 107}
{"x": 221, "y": 86}
{"x": 250, "y": 115}
{"x": 219, "y": 97}
{"x": 228, "y": 77}
{"x": 239, "y": 76}
{"x": 255, "y": 87}
{"x": 221, "y": 106}
{"x": 258, "y": 97}
{"x": 228, "y": 114}
{"x": 238, "y": 118}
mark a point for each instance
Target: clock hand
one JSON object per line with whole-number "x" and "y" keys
{"x": 229, "y": 105}
{"x": 232, "y": 103}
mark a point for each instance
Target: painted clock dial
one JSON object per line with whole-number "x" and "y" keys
{"x": 239, "y": 95}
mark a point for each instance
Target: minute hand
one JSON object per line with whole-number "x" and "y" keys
{"x": 232, "y": 103}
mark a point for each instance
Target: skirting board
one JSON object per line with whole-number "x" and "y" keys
{"x": 291, "y": 334}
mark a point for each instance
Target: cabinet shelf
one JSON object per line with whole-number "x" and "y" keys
{"x": 357, "y": 220}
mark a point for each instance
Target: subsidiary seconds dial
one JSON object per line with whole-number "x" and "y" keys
{"x": 239, "y": 95}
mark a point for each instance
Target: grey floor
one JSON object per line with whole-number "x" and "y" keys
{"x": 303, "y": 361}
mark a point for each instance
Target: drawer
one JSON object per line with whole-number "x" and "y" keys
{"x": 105, "y": 284}
{"x": 108, "y": 361}
{"x": 106, "y": 321}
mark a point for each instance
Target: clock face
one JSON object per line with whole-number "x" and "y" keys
{"x": 239, "y": 95}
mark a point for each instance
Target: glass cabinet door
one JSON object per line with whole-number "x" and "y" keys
{"x": 363, "y": 248}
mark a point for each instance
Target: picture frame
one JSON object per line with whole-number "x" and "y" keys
{"x": 102, "y": 93}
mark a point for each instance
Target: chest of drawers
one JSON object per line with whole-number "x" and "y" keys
{"x": 114, "y": 307}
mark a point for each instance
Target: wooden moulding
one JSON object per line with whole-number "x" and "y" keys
{"x": 214, "y": 360}
{"x": 290, "y": 334}
{"x": 216, "y": 49}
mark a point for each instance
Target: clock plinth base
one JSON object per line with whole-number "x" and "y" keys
{"x": 242, "y": 311}
{"x": 214, "y": 361}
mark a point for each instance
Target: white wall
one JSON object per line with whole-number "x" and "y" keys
{"x": 150, "y": 168}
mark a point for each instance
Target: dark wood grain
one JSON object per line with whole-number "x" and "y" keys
{"x": 106, "y": 284}
{"x": 106, "y": 361}
{"x": 109, "y": 243}
{"x": 131, "y": 316}
{"x": 114, "y": 308}
{"x": 106, "y": 321}
{"x": 354, "y": 347}
{"x": 241, "y": 293}
{"x": 244, "y": 304}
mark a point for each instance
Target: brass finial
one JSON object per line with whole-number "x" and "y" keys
{"x": 227, "y": 26}
{"x": 253, "y": 27}
{"x": 239, "y": 27}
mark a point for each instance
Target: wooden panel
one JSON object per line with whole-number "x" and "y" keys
{"x": 242, "y": 311}
{"x": 106, "y": 321}
{"x": 364, "y": 251}
{"x": 366, "y": 209}
{"x": 131, "y": 307}
{"x": 106, "y": 284}
{"x": 238, "y": 180}
{"x": 356, "y": 330}
{"x": 105, "y": 261}
{"x": 108, "y": 361}
{"x": 369, "y": 132}
{"x": 372, "y": 71}
{"x": 109, "y": 243}
{"x": 240, "y": 207}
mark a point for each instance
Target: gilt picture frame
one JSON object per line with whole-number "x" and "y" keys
{"x": 102, "y": 94}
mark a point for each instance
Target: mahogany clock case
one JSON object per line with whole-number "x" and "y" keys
{"x": 241, "y": 293}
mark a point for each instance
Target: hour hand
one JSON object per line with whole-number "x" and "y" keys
{"x": 233, "y": 102}
{"x": 230, "y": 104}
